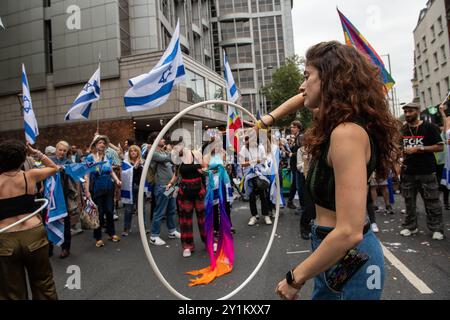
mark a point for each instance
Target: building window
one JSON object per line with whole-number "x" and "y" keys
{"x": 215, "y": 92}
{"x": 165, "y": 9}
{"x": 427, "y": 65}
{"x": 433, "y": 33}
{"x": 440, "y": 25}
{"x": 430, "y": 95}
{"x": 423, "y": 98}
{"x": 47, "y": 3}
{"x": 125, "y": 41}
{"x": 424, "y": 41}
{"x": 447, "y": 83}
{"x": 436, "y": 60}
{"x": 195, "y": 84}
{"x": 420, "y": 73}
{"x": 438, "y": 88}
{"x": 240, "y": 6}
{"x": 444, "y": 55}
{"x": 48, "y": 46}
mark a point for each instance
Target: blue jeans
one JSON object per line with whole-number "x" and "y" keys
{"x": 366, "y": 284}
{"x": 129, "y": 209}
{"x": 164, "y": 205}
{"x": 105, "y": 205}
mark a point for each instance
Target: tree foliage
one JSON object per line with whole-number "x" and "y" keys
{"x": 285, "y": 83}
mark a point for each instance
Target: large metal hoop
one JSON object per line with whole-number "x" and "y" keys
{"x": 28, "y": 216}
{"x": 144, "y": 239}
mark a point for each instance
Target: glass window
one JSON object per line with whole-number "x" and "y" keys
{"x": 195, "y": 87}
{"x": 165, "y": 9}
{"x": 444, "y": 54}
{"x": 227, "y": 30}
{"x": 225, "y": 7}
{"x": 245, "y": 54}
{"x": 216, "y": 92}
{"x": 440, "y": 26}
{"x": 240, "y": 6}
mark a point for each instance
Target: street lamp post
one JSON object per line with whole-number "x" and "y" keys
{"x": 392, "y": 95}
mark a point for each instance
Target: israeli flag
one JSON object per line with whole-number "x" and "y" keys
{"x": 152, "y": 89}
{"x": 82, "y": 105}
{"x": 30, "y": 123}
{"x": 56, "y": 210}
{"x": 232, "y": 91}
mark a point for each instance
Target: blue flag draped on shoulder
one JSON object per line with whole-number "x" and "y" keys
{"x": 152, "y": 89}
{"x": 56, "y": 210}
{"x": 82, "y": 105}
{"x": 30, "y": 123}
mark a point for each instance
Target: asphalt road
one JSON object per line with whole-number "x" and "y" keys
{"x": 121, "y": 270}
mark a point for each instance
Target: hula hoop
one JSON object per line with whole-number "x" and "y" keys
{"x": 144, "y": 239}
{"x": 28, "y": 216}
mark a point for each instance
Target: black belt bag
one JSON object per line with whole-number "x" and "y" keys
{"x": 321, "y": 232}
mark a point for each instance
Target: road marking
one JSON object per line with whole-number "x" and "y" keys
{"x": 409, "y": 275}
{"x": 296, "y": 252}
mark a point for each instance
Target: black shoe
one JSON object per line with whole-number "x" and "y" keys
{"x": 64, "y": 254}
{"x": 290, "y": 205}
{"x": 233, "y": 231}
{"x": 389, "y": 210}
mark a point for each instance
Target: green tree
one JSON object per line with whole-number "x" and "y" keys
{"x": 285, "y": 83}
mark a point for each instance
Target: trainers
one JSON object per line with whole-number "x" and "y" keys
{"x": 186, "y": 253}
{"x": 403, "y": 211}
{"x": 374, "y": 227}
{"x": 115, "y": 216}
{"x": 438, "y": 235}
{"x": 407, "y": 232}
{"x": 174, "y": 235}
{"x": 252, "y": 221}
{"x": 157, "y": 241}
{"x": 267, "y": 220}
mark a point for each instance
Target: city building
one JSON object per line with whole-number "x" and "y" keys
{"x": 61, "y": 44}
{"x": 257, "y": 36}
{"x": 431, "y": 81}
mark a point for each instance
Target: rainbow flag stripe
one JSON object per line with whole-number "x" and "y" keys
{"x": 354, "y": 38}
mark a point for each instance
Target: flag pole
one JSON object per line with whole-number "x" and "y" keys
{"x": 98, "y": 102}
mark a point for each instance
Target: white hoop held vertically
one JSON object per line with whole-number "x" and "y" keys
{"x": 28, "y": 216}
{"x": 141, "y": 202}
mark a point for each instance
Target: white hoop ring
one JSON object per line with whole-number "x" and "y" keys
{"x": 28, "y": 216}
{"x": 144, "y": 239}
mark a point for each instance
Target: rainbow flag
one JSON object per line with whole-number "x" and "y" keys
{"x": 354, "y": 38}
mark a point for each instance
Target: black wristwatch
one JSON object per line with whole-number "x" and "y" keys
{"x": 291, "y": 280}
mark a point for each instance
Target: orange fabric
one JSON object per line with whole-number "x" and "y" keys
{"x": 206, "y": 275}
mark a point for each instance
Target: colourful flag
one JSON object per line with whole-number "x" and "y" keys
{"x": 356, "y": 39}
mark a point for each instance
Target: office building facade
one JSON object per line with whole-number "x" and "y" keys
{"x": 431, "y": 81}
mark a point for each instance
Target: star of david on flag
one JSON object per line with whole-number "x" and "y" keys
{"x": 152, "y": 89}
{"x": 82, "y": 105}
{"x": 30, "y": 123}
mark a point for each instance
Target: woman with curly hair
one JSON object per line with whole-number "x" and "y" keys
{"x": 353, "y": 134}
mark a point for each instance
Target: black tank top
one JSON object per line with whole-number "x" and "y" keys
{"x": 320, "y": 180}
{"x": 12, "y": 207}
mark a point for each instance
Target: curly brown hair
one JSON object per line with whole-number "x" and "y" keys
{"x": 352, "y": 90}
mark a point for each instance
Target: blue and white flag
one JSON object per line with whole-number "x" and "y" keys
{"x": 232, "y": 91}
{"x": 30, "y": 123}
{"x": 82, "y": 105}
{"x": 152, "y": 89}
{"x": 126, "y": 191}
{"x": 77, "y": 171}
{"x": 56, "y": 209}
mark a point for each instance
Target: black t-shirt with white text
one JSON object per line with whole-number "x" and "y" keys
{"x": 426, "y": 134}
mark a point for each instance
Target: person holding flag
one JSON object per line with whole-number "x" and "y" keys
{"x": 30, "y": 123}
{"x": 353, "y": 134}
{"x": 25, "y": 246}
{"x": 152, "y": 89}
